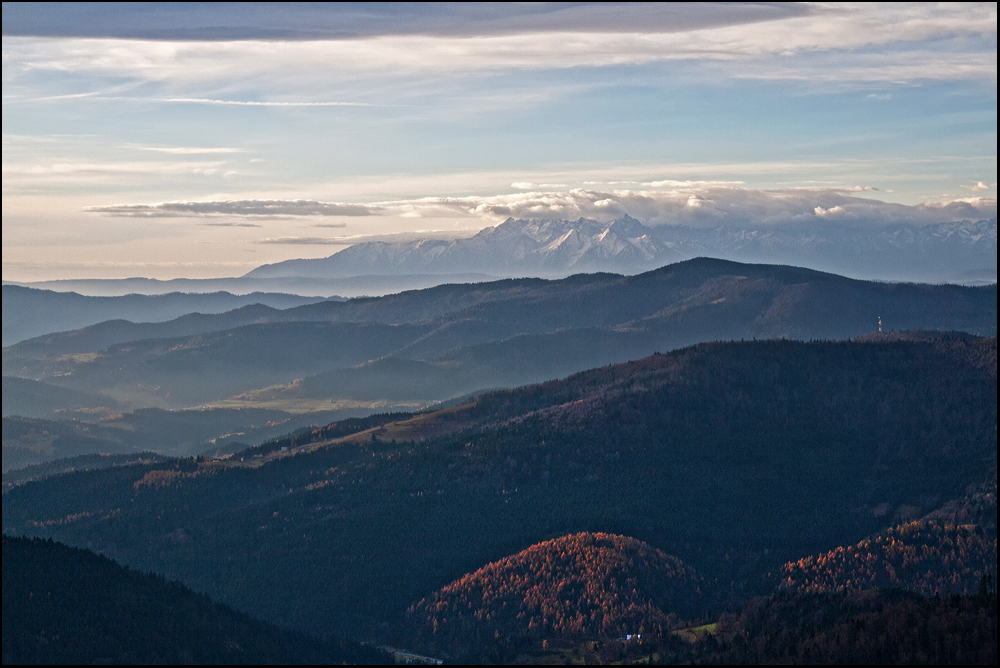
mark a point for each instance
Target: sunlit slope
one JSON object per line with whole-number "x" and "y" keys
{"x": 585, "y": 585}
{"x": 948, "y": 551}
{"x": 734, "y": 457}
{"x": 925, "y": 557}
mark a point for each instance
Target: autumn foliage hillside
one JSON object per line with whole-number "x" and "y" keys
{"x": 926, "y": 557}
{"x": 587, "y": 585}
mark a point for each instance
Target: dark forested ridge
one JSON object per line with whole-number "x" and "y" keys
{"x": 78, "y": 463}
{"x": 66, "y": 605}
{"x": 736, "y": 458}
{"x": 862, "y": 627}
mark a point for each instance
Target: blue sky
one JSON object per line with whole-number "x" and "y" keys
{"x": 141, "y": 139}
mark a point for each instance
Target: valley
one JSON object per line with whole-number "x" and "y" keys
{"x": 734, "y": 457}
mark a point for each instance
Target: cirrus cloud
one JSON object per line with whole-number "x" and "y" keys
{"x": 845, "y": 37}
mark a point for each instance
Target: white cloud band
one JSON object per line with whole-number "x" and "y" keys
{"x": 240, "y": 208}
{"x": 694, "y": 205}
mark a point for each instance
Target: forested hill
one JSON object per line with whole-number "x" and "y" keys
{"x": 580, "y": 586}
{"x": 65, "y": 605}
{"x": 922, "y": 556}
{"x": 736, "y": 458}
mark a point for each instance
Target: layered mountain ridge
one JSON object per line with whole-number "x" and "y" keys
{"x": 431, "y": 345}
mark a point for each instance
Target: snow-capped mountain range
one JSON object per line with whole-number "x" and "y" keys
{"x": 963, "y": 250}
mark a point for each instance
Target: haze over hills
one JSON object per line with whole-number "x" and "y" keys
{"x": 182, "y": 433}
{"x": 430, "y": 345}
{"x": 29, "y": 312}
{"x": 31, "y": 398}
{"x": 734, "y": 457}
{"x": 313, "y": 288}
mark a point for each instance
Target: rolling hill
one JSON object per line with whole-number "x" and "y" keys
{"x": 586, "y": 585}
{"x": 31, "y": 312}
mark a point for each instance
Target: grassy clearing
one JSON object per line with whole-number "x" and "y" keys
{"x": 696, "y": 633}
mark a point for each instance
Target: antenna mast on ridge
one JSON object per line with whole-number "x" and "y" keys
{"x": 880, "y": 324}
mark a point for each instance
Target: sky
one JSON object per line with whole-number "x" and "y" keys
{"x": 203, "y": 140}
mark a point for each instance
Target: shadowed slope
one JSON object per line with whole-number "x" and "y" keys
{"x": 65, "y": 605}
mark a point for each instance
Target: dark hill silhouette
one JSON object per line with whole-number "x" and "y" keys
{"x": 77, "y": 463}
{"x": 186, "y": 371}
{"x": 873, "y": 627}
{"x": 65, "y": 605}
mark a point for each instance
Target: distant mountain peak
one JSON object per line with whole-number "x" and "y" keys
{"x": 546, "y": 247}
{"x": 550, "y": 247}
